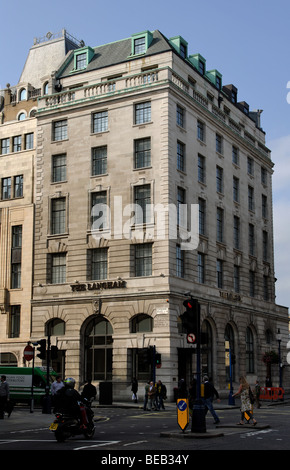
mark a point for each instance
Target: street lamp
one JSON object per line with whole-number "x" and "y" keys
{"x": 279, "y": 339}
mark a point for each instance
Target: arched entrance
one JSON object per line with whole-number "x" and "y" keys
{"x": 98, "y": 342}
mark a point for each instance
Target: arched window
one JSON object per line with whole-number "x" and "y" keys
{"x": 98, "y": 349}
{"x": 249, "y": 351}
{"x": 141, "y": 323}
{"x": 21, "y": 116}
{"x": 55, "y": 327}
{"x": 22, "y": 95}
{"x": 8, "y": 359}
{"x": 45, "y": 88}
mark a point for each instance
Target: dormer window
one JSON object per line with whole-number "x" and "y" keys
{"x": 139, "y": 46}
{"x": 82, "y": 57}
{"x": 81, "y": 61}
{"x": 141, "y": 42}
{"x": 198, "y": 62}
{"x": 22, "y": 95}
{"x": 180, "y": 45}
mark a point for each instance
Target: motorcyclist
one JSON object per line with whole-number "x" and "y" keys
{"x": 67, "y": 400}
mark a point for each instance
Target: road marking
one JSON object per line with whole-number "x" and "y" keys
{"x": 133, "y": 443}
{"x": 99, "y": 444}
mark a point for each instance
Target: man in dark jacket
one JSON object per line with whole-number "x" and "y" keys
{"x": 209, "y": 393}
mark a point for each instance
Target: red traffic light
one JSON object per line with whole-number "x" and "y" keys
{"x": 188, "y": 304}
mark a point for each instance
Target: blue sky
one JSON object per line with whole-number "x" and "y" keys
{"x": 248, "y": 42}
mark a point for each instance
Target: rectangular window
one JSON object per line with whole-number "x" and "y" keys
{"x": 143, "y": 260}
{"x": 266, "y": 288}
{"x": 6, "y": 188}
{"x": 58, "y": 268}
{"x": 139, "y": 45}
{"x": 201, "y": 268}
{"x": 142, "y": 153}
{"x": 251, "y": 202}
{"x": 142, "y": 112}
{"x": 219, "y": 143}
{"x": 252, "y": 283}
{"x": 201, "y": 169}
{"x": 202, "y": 209}
{"x": 235, "y": 155}
{"x": 264, "y": 207}
{"x": 180, "y": 206}
{"x": 5, "y": 146}
{"x": 265, "y": 246}
{"x": 58, "y": 168}
{"x": 263, "y": 175}
{"x": 201, "y": 131}
{"x": 99, "y": 263}
{"x": 219, "y": 273}
{"x": 251, "y": 240}
{"x": 100, "y": 122}
{"x": 142, "y": 199}
{"x": 16, "y": 255}
{"x": 29, "y": 141}
{"x": 236, "y": 232}
{"x": 18, "y": 186}
{"x": 58, "y": 215}
{"x": 60, "y": 130}
{"x": 219, "y": 179}
{"x": 179, "y": 261}
{"x": 14, "y": 321}
{"x": 81, "y": 61}
{"x": 180, "y": 113}
{"x": 236, "y": 279}
{"x": 220, "y": 225}
{"x": 180, "y": 156}
{"x": 99, "y": 160}
{"x": 99, "y": 215}
{"x": 17, "y": 143}
{"x": 236, "y": 195}
{"x": 250, "y": 166}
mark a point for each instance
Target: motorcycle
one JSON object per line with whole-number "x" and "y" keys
{"x": 65, "y": 426}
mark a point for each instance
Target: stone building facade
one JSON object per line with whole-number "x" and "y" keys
{"x": 141, "y": 123}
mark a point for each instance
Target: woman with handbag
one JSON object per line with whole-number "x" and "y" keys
{"x": 246, "y": 406}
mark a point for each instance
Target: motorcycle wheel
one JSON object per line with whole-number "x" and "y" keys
{"x": 89, "y": 433}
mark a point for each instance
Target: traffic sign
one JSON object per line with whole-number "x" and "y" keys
{"x": 182, "y": 413}
{"x": 28, "y": 352}
{"x": 191, "y": 338}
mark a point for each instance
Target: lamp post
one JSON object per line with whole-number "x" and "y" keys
{"x": 279, "y": 339}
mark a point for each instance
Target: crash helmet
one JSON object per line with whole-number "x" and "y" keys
{"x": 69, "y": 382}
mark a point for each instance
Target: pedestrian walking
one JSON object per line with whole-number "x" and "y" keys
{"x": 257, "y": 394}
{"x": 209, "y": 393}
{"x": 146, "y": 396}
{"x": 246, "y": 406}
{"x": 89, "y": 391}
{"x": 4, "y": 395}
{"x": 160, "y": 395}
{"x": 55, "y": 387}
{"x": 152, "y": 396}
{"x": 134, "y": 389}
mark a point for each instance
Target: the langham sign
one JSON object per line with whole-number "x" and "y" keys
{"x": 98, "y": 285}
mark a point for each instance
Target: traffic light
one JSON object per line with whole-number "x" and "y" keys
{"x": 53, "y": 352}
{"x": 158, "y": 359}
{"x": 190, "y": 320}
{"x": 42, "y": 349}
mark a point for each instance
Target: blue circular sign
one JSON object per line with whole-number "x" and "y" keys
{"x": 182, "y": 405}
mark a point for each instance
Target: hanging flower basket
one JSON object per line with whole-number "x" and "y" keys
{"x": 270, "y": 357}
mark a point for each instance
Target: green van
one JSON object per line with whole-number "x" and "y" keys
{"x": 20, "y": 380}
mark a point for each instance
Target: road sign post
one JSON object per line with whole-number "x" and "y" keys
{"x": 182, "y": 413}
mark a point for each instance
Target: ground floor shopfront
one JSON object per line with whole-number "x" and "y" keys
{"x": 112, "y": 337}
